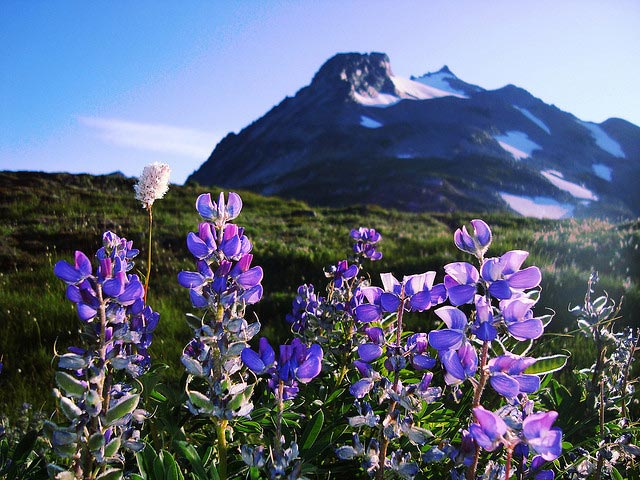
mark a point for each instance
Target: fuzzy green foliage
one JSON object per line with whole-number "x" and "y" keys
{"x": 45, "y": 217}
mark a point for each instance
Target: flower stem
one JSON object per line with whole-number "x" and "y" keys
{"x": 146, "y": 280}
{"x": 278, "y": 443}
{"x": 222, "y": 449}
{"x": 384, "y": 441}
{"x": 507, "y": 467}
{"x": 477, "y": 395}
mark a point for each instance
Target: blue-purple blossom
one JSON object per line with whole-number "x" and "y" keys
{"x": 465, "y": 453}
{"x": 505, "y": 277}
{"x": 130, "y": 323}
{"x": 539, "y": 434}
{"x": 418, "y": 292}
{"x": 483, "y": 324}
{"x": 508, "y": 377}
{"x": 476, "y": 244}
{"x": 461, "y": 282}
{"x": 340, "y": 272}
{"x": 219, "y": 213}
{"x": 490, "y": 430}
{"x": 306, "y": 304}
{"x": 296, "y": 363}
{"x": 519, "y": 320}
{"x": 366, "y": 238}
{"x": 367, "y": 307}
{"x": 453, "y": 337}
{"x": 459, "y": 364}
{"x": 417, "y": 345}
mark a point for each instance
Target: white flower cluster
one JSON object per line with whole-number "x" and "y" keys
{"x": 153, "y": 183}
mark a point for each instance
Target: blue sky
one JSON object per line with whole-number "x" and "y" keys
{"x": 104, "y": 86}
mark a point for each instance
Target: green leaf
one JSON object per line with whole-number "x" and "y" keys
{"x": 111, "y": 474}
{"x": 615, "y": 474}
{"x": 145, "y": 460}
{"x": 124, "y": 406}
{"x": 312, "y": 431}
{"x": 69, "y": 384}
{"x": 70, "y": 409}
{"x": 334, "y": 395}
{"x": 546, "y": 365}
{"x": 96, "y": 441}
{"x": 191, "y": 454}
{"x": 171, "y": 470}
{"x": 112, "y": 447}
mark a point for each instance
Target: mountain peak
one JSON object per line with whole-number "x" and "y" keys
{"x": 446, "y": 70}
{"x": 356, "y": 74}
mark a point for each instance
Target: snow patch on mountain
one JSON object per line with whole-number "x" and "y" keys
{"x": 369, "y": 122}
{"x": 604, "y": 141}
{"x": 440, "y": 81}
{"x": 602, "y": 171}
{"x": 577, "y": 191}
{"x": 406, "y": 89}
{"x": 534, "y": 119}
{"x": 537, "y": 207}
{"x": 517, "y": 144}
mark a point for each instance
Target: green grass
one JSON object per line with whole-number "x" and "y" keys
{"x": 46, "y": 217}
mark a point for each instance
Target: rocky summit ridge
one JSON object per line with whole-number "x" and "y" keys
{"x": 360, "y": 134}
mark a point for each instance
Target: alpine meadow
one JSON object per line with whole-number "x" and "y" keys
{"x": 165, "y": 362}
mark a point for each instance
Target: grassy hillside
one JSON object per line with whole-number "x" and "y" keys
{"x": 45, "y": 217}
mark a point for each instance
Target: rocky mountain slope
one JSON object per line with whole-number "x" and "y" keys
{"x": 359, "y": 134}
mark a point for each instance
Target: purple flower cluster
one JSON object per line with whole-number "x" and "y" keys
{"x": 296, "y": 363}
{"x": 117, "y": 296}
{"x": 224, "y": 275}
{"x": 306, "y": 305}
{"x": 224, "y": 284}
{"x": 491, "y": 303}
{"x": 101, "y": 407}
{"x": 366, "y": 240}
{"x": 533, "y": 431}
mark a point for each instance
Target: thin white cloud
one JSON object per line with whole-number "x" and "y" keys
{"x": 186, "y": 142}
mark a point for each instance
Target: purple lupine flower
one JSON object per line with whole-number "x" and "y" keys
{"x": 453, "y": 337}
{"x": 425, "y": 391}
{"x": 483, "y": 324}
{"x": 476, "y": 244}
{"x": 505, "y": 277}
{"x": 461, "y": 282}
{"x": 507, "y": 377}
{"x": 465, "y": 453}
{"x": 219, "y": 213}
{"x": 417, "y": 345}
{"x": 262, "y": 361}
{"x": 418, "y": 291}
{"x": 73, "y": 274}
{"x": 305, "y": 304}
{"x": 371, "y": 310}
{"x": 368, "y": 352}
{"x": 519, "y": 319}
{"x": 296, "y": 363}
{"x": 541, "y": 436}
{"x": 459, "y": 364}
{"x": 489, "y": 431}
{"x": 340, "y": 272}
{"x": 366, "y": 238}
{"x": 536, "y": 469}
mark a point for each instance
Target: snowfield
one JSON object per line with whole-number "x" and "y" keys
{"x": 537, "y": 207}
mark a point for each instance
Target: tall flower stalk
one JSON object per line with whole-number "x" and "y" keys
{"x": 94, "y": 390}
{"x": 152, "y": 185}
{"x": 222, "y": 286}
